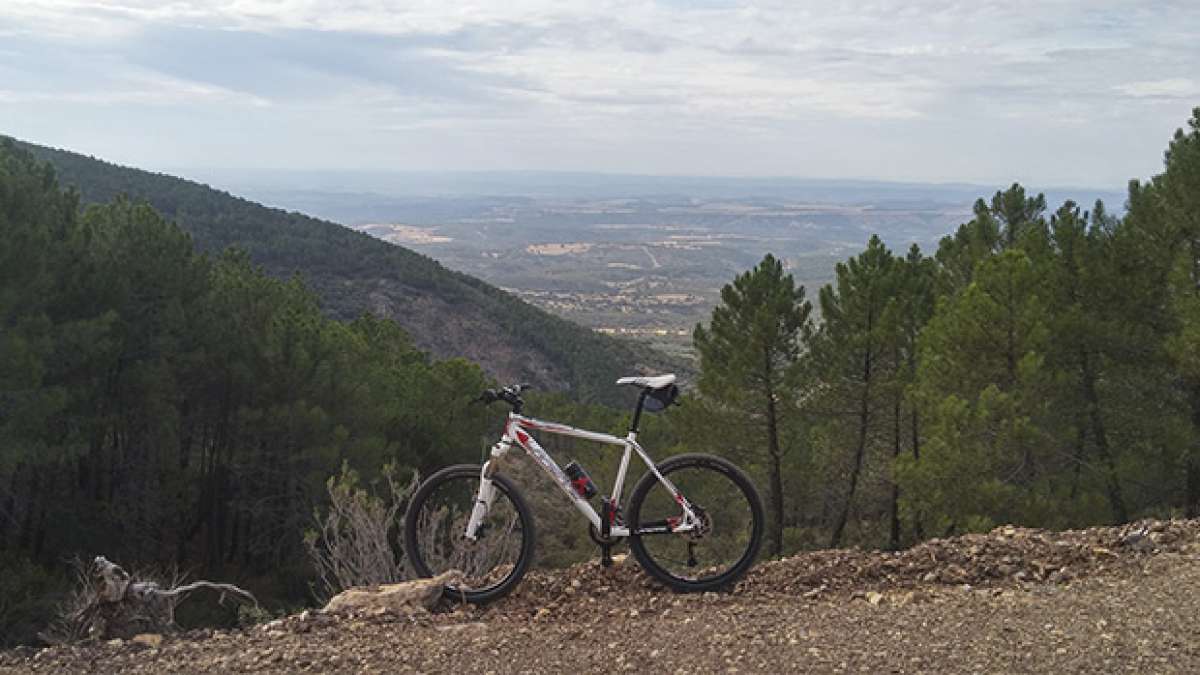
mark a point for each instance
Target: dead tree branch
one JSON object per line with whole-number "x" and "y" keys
{"x": 109, "y": 603}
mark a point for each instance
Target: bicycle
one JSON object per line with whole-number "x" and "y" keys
{"x": 693, "y": 522}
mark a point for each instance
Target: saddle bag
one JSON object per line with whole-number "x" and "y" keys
{"x": 660, "y": 399}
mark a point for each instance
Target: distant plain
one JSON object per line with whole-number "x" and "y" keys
{"x": 641, "y": 256}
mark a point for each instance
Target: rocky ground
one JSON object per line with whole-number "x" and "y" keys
{"x": 1121, "y": 599}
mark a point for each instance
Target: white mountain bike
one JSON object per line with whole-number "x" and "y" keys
{"x": 694, "y": 522}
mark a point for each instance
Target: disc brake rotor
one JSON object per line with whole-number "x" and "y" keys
{"x": 705, "y": 525}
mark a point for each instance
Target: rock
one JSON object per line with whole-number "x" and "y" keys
{"x": 1060, "y": 575}
{"x": 1160, "y": 538}
{"x": 462, "y": 627}
{"x": 1137, "y": 539}
{"x": 401, "y": 598}
{"x": 874, "y": 597}
{"x": 953, "y": 574}
{"x": 152, "y": 640}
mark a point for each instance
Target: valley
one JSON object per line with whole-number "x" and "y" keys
{"x": 651, "y": 268}
{"x": 641, "y": 257}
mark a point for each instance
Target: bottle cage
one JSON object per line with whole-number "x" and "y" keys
{"x": 658, "y": 400}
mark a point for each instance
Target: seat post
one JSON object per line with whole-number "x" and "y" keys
{"x": 637, "y": 413}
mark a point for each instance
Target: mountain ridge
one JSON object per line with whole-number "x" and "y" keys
{"x": 447, "y": 313}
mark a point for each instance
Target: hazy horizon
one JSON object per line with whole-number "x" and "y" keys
{"x": 302, "y": 189}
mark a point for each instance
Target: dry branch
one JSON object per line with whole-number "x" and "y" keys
{"x": 352, "y": 545}
{"x": 109, "y": 603}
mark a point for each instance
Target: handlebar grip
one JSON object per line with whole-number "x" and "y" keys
{"x": 488, "y": 397}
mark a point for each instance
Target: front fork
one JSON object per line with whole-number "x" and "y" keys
{"x": 487, "y": 490}
{"x": 483, "y": 503}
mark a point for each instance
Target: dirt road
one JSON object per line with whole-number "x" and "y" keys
{"x": 1126, "y": 603}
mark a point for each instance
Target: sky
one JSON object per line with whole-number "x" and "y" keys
{"x": 1081, "y": 93}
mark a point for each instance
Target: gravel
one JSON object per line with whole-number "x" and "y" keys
{"x": 1015, "y": 600}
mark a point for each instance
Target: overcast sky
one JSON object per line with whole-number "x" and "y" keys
{"x": 1047, "y": 93}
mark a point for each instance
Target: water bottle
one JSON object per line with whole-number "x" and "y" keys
{"x": 580, "y": 480}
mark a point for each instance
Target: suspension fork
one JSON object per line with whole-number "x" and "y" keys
{"x": 483, "y": 504}
{"x": 487, "y": 489}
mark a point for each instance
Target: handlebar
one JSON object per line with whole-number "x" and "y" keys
{"x": 510, "y": 395}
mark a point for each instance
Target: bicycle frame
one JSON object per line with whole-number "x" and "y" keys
{"x": 515, "y": 432}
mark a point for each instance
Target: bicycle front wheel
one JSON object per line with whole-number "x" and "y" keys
{"x": 717, "y": 553}
{"x": 435, "y": 527}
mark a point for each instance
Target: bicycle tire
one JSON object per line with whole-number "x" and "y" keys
{"x": 422, "y": 537}
{"x": 743, "y": 540}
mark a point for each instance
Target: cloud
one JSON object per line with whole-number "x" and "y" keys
{"x": 1173, "y": 88}
{"x": 881, "y": 88}
{"x": 303, "y": 64}
{"x": 180, "y": 93}
{"x": 37, "y": 72}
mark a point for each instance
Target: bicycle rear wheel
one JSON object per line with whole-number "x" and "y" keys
{"x": 434, "y": 530}
{"x": 727, "y": 544}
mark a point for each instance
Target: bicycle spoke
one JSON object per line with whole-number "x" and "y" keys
{"x": 721, "y": 541}
{"x": 440, "y": 525}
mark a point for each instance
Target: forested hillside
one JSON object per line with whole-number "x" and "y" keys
{"x": 446, "y": 313}
{"x": 169, "y": 408}
{"x": 1041, "y": 367}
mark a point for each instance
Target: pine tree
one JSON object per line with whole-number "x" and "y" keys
{"x": 855, "y": 358}
{"x": 996, "y": 227}
{"x": 981, "y": 380}
{"x": 1178, "y": 189}
{"x": 913, "y": 305}
{"x": 1085, "y": 333}
{"x": 753, "y": 342}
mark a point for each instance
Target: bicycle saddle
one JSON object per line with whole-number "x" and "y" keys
{"x": 656, "y": 382}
